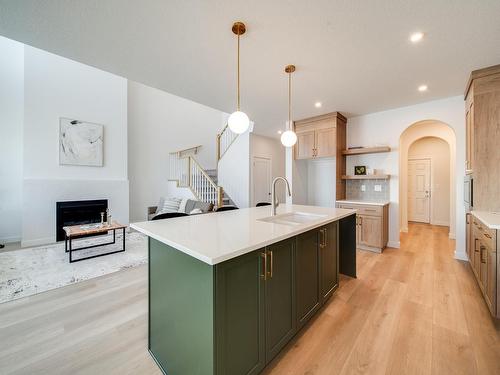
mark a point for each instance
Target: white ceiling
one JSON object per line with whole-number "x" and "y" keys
{"x": 352, "y": 55}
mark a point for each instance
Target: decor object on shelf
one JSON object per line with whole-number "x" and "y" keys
{"x": 80, "y": 143}
{"x": 289, "y": 138}
{"x": 360, "y": 170}
{"x": 238, "y": 121}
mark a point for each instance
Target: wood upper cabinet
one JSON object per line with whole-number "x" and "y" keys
{"x": 317, "y": 136}
{"x": 305, "y": 148}
{"x": 326, "y": 142}
{"x": 469, "y": 132}
{"x": 482, "y": 120}
{"x": 280, "y": 296}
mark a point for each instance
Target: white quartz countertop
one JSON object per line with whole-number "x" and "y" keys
{"x": 361, "y": 201}
{"x": 216, "y": 237}
{"x": 490, "y": 219}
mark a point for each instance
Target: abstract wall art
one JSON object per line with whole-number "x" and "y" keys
{"x": 80, "y": 143}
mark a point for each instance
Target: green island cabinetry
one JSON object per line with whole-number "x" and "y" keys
{"x": 234, "y": 317}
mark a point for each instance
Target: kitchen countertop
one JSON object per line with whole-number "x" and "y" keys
{"x": 366, "y": 202}
{"x": 220, "y": 236}
{"x": 490, "y": 219}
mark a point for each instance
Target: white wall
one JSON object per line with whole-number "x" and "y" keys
{"x": 270, "y": 148}
{"x": 57, "y": 87}
{"x": 386, "y": 128}
{"x": 234, "y": 171}
{"x": 438, "y": 151}
{"x": 313, "y": 181}
{"x": 160, "y": 123}
{"x": 11, "y": 138}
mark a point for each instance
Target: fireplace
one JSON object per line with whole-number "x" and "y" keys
{"x": 78, "y": 212}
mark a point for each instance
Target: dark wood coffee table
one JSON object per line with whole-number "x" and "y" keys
{"x": 85, "y": 230}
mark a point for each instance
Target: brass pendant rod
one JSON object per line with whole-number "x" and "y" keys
{"x": 290, "y": 101}
{"x": 238, "y": 79}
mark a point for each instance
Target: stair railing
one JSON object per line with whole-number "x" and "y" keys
{"x": 188, "y": 173}
{"x": 224, "y": 140}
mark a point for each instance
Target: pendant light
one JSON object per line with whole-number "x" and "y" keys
{"x": 288, "y": 137}
{"x": 238, "y": 121}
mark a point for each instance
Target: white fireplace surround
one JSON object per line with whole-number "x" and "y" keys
{"x": 41, "y": 195}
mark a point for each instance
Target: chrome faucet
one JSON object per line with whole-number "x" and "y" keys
{"x": 274, "y": 200}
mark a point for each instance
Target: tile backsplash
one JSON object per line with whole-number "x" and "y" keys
{"x": 354, "y": 190}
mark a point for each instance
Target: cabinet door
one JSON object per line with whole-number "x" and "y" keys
{"x": 304, "y": 149}
{"x": 370, "y": 231}
{"x": 477, "y": 259}
{"x": 307, "y": 276}
{"x": 483, "y": 266}
{"x": 468, "y": 241}
{"x": 280, "y": 296}
{"x": 490, "y": 289}
{"x": 326, "y": 142}
{"x": 329, "y": 260}
{"x": 240, "y": 315}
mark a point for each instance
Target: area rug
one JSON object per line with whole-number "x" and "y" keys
{"x": 33, "y": 270}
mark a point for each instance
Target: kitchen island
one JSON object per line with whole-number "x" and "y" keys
{"x": 228, "y": 290}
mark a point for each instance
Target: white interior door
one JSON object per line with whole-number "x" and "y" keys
{"x": 419, "y": 193}
{"x": 261, "y": 180}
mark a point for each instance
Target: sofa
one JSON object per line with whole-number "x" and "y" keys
{"x": 188, "y": 206}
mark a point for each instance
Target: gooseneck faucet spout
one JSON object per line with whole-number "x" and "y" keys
{"x": 274, "y": 200}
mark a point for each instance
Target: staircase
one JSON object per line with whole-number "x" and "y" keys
{"x": 212, "y": 173}
{"x": 188, "y": 173}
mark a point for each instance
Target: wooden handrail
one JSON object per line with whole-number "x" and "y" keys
{"x": 195, "y": 148}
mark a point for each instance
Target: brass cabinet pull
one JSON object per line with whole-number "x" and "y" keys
{"x": 475, "y": 245}
{"x": 271, "y": 271}
{"x": 264, "y": 274}
{"x": 482, "y": 248}
{"x": 326, "y": 237}
{"x": 322, "y": 241}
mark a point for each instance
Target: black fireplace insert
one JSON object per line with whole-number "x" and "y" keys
{"x": 78, "y": 212}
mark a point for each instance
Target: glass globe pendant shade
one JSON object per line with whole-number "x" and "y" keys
{"x": 288, "y": 138}
{"x": 238, "y": 122}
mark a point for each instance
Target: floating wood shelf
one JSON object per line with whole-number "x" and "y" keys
{"x": 366, "y": 150}
{"x": 367, "y": 177}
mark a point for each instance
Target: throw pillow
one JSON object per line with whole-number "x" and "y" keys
{"x": 171, "y": 205}
{"x": 182, "y": 206}
{"x": 196, "y": 211}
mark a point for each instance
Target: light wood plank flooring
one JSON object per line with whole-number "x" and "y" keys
{"x": 415, "y": 310}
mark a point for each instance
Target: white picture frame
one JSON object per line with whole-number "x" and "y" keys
{"x": 80, "y": 143}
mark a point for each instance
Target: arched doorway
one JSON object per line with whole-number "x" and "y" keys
{"x": 422, "y": 130}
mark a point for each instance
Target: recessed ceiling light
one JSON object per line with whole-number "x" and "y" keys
{"x": 279, "y": 132}
{"x": 422, "y": 88}
{"x": 318, "y": 104}
{"x": 416, "y": 37}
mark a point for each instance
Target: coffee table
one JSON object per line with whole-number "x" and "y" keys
{"x": 85, "y": 230}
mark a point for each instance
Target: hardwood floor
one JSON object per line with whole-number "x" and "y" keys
{"x": 415, "y": 310}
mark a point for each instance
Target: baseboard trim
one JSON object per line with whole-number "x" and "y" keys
{"x": 440, "y": 223}
{"x": 461, "y": 255}
{"x": 4, "y": 240}
{"x": 37, "y": 242}
{"x": 394, "y": 244}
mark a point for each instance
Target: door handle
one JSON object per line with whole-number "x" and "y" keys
{"x": 475, "y": 245}
{"x": 271, "y": 268}
{"x": 264, "y": 263}
{"x": 482, "y": 260}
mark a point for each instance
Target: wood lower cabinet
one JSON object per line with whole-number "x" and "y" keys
{"x": 372, "y": 225}
{"x": 484, "y": 263}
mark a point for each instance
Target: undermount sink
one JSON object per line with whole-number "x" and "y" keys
{"x": 292, "y": 218}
